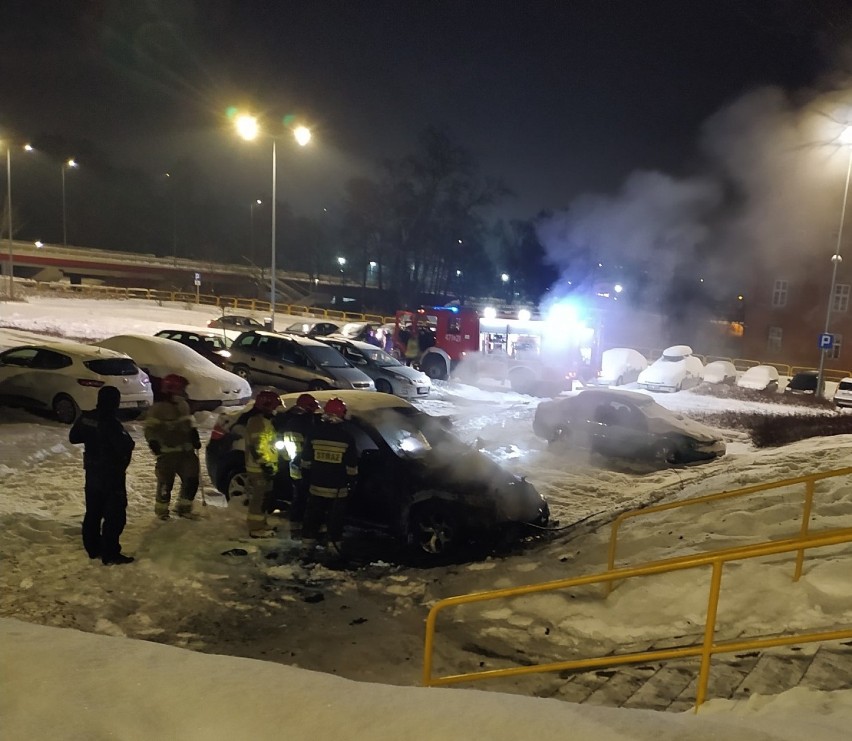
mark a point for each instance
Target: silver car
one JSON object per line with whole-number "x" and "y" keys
{"x": 294, "y": 363}
{"x": 389, "y": 375}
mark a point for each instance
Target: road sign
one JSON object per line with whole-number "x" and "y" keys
{"x": 198, "y": 279}
{"x": 826, "y": 341}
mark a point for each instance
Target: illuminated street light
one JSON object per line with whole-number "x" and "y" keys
{"x": 65, "y": 165}
{"x": 505, "y": 277}
{"x": 618, "y": 288}
{"x": 248, "y": 128}
{"x": 524, "y": 315}
{"x": 836, "y": 259}
{"x": 342, "y": 262}
{"x": 38, "y": 244}
{"x": 27, "y": 148}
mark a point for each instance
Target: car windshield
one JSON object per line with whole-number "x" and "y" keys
{"x": 112, "y": 366}
{"x": 407, "y": 434}
{"x": 215, "y": 342}
{"x": 300, "y": 328}
{"x": 327, "y": 357}
{"x": 381, "y": 358}
{"x": 672, "y": 358}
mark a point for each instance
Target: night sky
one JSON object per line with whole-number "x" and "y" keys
{"x": 555, "y": 98}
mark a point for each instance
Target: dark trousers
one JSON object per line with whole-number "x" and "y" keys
{"x": 106, "y": 516}
{"x": 324, "y": 510}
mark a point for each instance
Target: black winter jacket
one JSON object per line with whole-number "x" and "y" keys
{"x": 108, "y": 445}
{"x": 329, "y": 460}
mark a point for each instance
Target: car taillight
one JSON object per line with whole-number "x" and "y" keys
{"x": 90, "y": 382}
{"x": 217, "y": 434}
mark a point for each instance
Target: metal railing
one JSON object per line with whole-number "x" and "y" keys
{"x": 809, "y": 480}
{"x": 705, "y": 650}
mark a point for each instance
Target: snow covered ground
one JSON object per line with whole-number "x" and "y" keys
{"x": 366, "y": 624}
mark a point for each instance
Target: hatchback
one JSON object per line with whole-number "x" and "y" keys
{"x": 803, "y": 383}
{"x": 64, "y": 377}
{"x": 843, "y": 394}
{"x": 294, "y": 363}
{"x": 416, "y": 480}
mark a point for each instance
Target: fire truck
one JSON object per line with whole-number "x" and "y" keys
{"x": 452, "y": 340}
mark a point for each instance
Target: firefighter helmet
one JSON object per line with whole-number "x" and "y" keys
{"x": 173, "y": 384}
{"x": 267, "y": 401}
{"x": 307, "y": 403}
{"x": 335, "y": 408}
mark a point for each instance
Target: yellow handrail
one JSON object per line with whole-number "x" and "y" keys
{"x": 705, "y": 650}
{"x": 808, "y": 480}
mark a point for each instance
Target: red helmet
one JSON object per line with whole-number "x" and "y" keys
{"x": 173, "y": 384}
{"x": 267, "y": 401}
{"x": 335, "y": 408}
{"x": 307, "y": 403}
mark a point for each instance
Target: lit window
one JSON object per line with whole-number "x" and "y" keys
{"x": 779, "y": 293}
{"x": 841, "y": 298}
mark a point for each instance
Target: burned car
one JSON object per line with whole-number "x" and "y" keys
{"x": 626, "y": 424}
{"x": 416, "y": 481}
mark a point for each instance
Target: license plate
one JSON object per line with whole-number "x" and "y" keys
{"x": 422, "y": 390}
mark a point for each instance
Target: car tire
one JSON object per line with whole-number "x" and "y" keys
{"x": 434, "y": 530}
{"x": 665, "y": 453}
{"x": 243, "y": 372}
{"x": 318, "y": 386}
{"x": 435, "y": 368}
{"x": 235, "y": 484}
{"x": 65, "y": 409}
{"x": 383, "y": 386}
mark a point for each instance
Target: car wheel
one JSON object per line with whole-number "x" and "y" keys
{"x": 243, "y": 372}
{"x": 383, "y": 386}
{"x": 434, "y": 529}
{"x": 318, "y": 386}
{"x": 665, "y": 453}
{"x": 65, "y": 409}
{"x": 522, "y": 382}
{"x": 435, "y": 368}
{"x": 236, "y": 485}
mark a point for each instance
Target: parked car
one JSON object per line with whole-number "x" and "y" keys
{"x": 294, "y": 363}
{"x": 626, "y": 424}
{"x": 313, "y": 328}
{"x": 235, "y": 321}
{"x": 63, "y": 378}
{"x": 209, "y": 385}
{"x": 676, "y": 369}
{"x": 620, "y": 366}
{"x": 843, "y": 393}
{"x": 358, "y": 330}
{"x": 210, "y": 345}
{"x": 416, "y": 480}
{"x": 388, "y": 374}
{"x": 803, "y": 383}
{"x": 720, "y": 371}
{"x": 759, "y": 378}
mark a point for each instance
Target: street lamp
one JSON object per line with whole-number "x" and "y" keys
{"x": 257, "y": 202}
{"x": 342, "y": 262}
{"x": 248, "y": 128}
{"x": 65, "y": 165}
{"x": 836, "y": 259}
{"x": 27, "y": 148}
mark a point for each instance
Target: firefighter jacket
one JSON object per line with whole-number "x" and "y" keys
{"x": 108, "y": 446}
{"x": 293, "y": 428}
{"x": 329, "y": 460}
{"x": 170, "y": 426}
{"x": 259, "y": 442}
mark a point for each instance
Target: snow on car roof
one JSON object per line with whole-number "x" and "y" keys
{"x": 78, "y": 349}
{"x": 676, "y": 350}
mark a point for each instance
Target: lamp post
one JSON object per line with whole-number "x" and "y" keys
{"x": 257, "y": 202}
{"x": 174, "y": 217}
{"x": 27, "y": 148}
{"x": 65, "y": 165}
{"x": 249, "y": 128}
{"x": 836, "y": 259}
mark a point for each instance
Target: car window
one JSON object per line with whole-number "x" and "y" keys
{"x": 167, "y": 334}
{"x": 327, "y": 357}
{"x": 249, "y": 341}
{"x": 51, "y": 360}
{"x": 112, "y": 366}
{"x": 290, "y": 352}
{"x": 845, "y": 386}
{"x": 214, "y": 343}
{"x": 405, "y": 437}
{"x": 23, "y": 357}
{"x": 268, "y": 346}
{"x": 381, "y": 358}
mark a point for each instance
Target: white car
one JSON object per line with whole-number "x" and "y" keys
{"x": 619, "y": 366}
{"x": 759, "y": 378}
{"x": 720, "y": 371}
{"x": 843, "y": 394}
{"x": 389, "y": 375}
{"x": 64, "y": 378}
{"x": 676, "y": 369}
{"x": 209, "y": 386}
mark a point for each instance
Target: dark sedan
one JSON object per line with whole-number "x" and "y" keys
{"x": 210, "y": 345}
{"x": 416, "y": 480}
{"x": 626, "y": 424}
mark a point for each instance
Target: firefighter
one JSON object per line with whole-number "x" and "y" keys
{"x": 293, "y": 426}
{"x": 172, "y": 436}
{"x": 107, "y": 453}
{"x": 261, "y": 462}
{"x": 330, "y": 470}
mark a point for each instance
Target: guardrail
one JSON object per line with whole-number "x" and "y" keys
{"x": 706, "y": 649}
{"x": 808, "y": 480}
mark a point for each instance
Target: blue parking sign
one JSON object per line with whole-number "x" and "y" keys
{"x": 826, "y": 341}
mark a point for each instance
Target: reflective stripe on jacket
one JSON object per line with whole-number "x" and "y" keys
{"x": 329, "y": 460}
{"x": 259, "y": 442}
{"x": 170, "y": 424}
